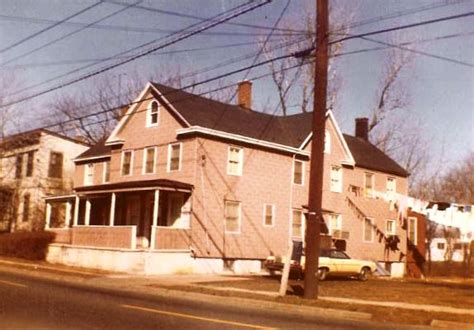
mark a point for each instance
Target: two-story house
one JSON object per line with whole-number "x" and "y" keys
{"x": 186, "y": 183}
{"x": 33, "y": 165}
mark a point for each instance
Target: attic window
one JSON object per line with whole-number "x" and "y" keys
{"x": 152, "y": 114}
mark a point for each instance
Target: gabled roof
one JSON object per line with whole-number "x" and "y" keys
{"x": 200, "y": 111}
{"x": 368, "y": 156}
{"x": 210, "y": 116}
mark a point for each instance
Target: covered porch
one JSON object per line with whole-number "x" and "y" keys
{"x": 154, "y": 214}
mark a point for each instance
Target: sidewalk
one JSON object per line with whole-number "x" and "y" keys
{"x": 201, "y": 288}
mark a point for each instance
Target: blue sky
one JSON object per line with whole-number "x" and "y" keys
{"x": 441, "y": 92}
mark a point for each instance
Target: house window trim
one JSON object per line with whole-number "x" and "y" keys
{"x": 394, "y": 185}
{"x": 104, "y": 172}
{"x": 61, "y": 174}
{"x": 145, "y": 158}
{"x": 372, "y": 184}
{"x": 26, "y": 207}
{"x": 387, "y": 233}
{"x": 30, "y": 160}
{"x": 19, "y": 166}
{"x": 239, "y": 219}
{"x": 241, "y": 160}
{"x": 327, "y": 142}
{"x": 415, "y": 241}
{"x": 371, "y": 232}
{"x": 87, "y": 174}
{"x": 149, "y": 114}
{"x": 338, "y": 221}
{"x": 339, "y": 187}
{"x": 302, "y": 172}
{"x": 168, "y": 166}
{"x": 265, "y": 214}
{"x": 131, "y": 163}
{"x": 303, "y": 225}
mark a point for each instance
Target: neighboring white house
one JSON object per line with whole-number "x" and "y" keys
{"x": 33, "y": 165}
{"x": 454, "y": 230}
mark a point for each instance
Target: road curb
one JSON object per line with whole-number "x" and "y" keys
{"x": 452, "y": 325}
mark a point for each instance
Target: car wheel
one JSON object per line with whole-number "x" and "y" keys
{"x": 322, "y": 274}
{"x": 364, "y": 274}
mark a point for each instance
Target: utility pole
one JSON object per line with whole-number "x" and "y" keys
{"x": 313, "y": 228}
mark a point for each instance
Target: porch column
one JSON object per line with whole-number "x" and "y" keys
{"x": 47, "y": 222}
{"x": 112, "y": 210}
{"x": 88, "y": 213}
{"x": 155, "y": 218}
{"x": 76, "y": 211}
{"x": 67, "y": 219}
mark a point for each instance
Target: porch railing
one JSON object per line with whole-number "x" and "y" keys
{"x": 63, "y": 235}
{"x": 119, "y": 237}
{"x": 169, "y": 238}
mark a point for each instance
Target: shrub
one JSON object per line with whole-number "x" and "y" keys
{"x": 26, "y": 245}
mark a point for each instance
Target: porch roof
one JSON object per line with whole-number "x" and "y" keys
{"x": 134, "y": 185}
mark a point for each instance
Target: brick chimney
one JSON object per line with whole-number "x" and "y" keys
{"x": 244, "y": 94}
{"x": 362, "y": 128}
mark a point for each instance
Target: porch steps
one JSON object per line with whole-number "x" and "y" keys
{"x": 380, "y": 271}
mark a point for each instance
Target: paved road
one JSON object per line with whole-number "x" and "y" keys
{"x": 32, "y": 303}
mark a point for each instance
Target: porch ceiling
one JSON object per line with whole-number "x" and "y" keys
{"x": 133, "y": 185}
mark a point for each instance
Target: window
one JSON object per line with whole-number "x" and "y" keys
{"x": 335, "y": 224}
{"x": 174, "y": 157}
{"x": 369, "y": 185}
{"x": 89, "y": 174}
{"x": 106, "y": 177}
{"x": 457, "y": 246}
{"x": 391, "y": 228}
{"x": 391, "y": 185}
{"x": 268, "y": 214}
{"x": 297, "y": 224}
{"x": 368, "y": 230}
{"x": 336, "y": 179}
{"x": 55, "y": 165}
{"x": 232, "y": 217}
{"x": 327, "y": 142}
{"x": 26, "y": 207}
{"x": 440, "y": 246}
{"x": 19, "y": 166}
{"x": 30, "y": 163}
{"x": 234, "y": 160}
{"x": 412, "y": 232}
{"x": 127, "y": 159}
{"x": 298, "y": 168}
{"x": 152, "y": 114}
{"x": 149, "y": 160}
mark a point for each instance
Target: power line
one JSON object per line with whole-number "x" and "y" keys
{"x": 50, "y": 27}
{"x": 419, "y": 52}
{"x": 360, "y": 51}
{"x": 186, "y": 50}
{"x": 182, "y": 15}
{"x": 294, "y": 66}
{"x": 94, "y": 114}
{"x": 16, "y": 58}
{"x": 116, "y": 56}
{"x": 397, "y": 14}
{"x": 402, "y": 27}
{"x": 281, "y": 57}
{"x": 113, "y": 27}
{"x": 227, "y": 16}
{"x": 262, "y": 48}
